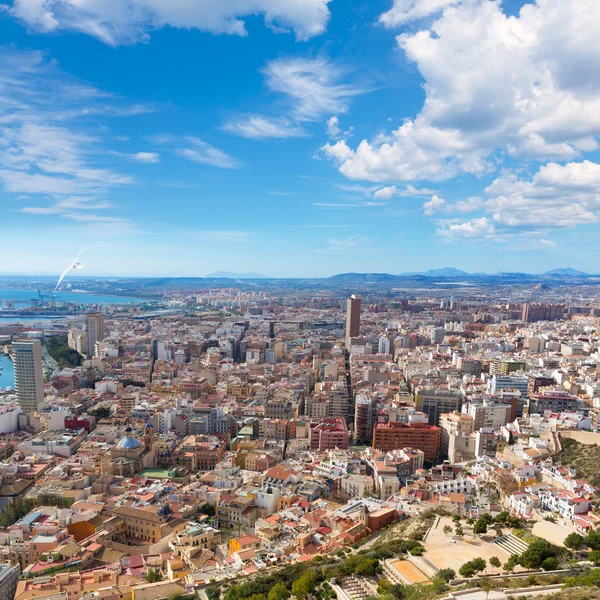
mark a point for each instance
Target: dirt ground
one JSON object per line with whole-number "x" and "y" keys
{"x": 551, "y": 532}
{"x": 408, "y": 570}
{"x": 444, "y": 554}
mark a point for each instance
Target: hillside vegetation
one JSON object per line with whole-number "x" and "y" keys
{"x": 584, "y": 458}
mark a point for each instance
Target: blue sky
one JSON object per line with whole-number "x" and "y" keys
{"x": 299, "y": 137}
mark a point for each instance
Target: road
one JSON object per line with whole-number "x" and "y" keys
{"x": 500, "y": 595}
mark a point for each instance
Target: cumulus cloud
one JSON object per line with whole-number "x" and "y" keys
{"x": 146, "y": 157}
{"x": 475, "y": 228}
{"x": 334, "y": 131}
{"x": 436, "y": 204}
{"x": 557, "y": 196}
{"x": 522, "y": 85}
{"x": 333, "y": 128}
{"x": 117, "y": 22}
{"x": 403, "y": 11}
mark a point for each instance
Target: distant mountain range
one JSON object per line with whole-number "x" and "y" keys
{"x": 230, "y": 275}
{"x": 452, "y": 274}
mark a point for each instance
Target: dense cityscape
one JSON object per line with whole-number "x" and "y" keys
{"x": 320, "y": 445}
{"x": 300, "y": 300}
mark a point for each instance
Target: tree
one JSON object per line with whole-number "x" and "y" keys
{"x": 573, "y": 541}
{"x": 479, "y": 564}
{"x": 551, "y": 564}
{"x": 447, "y": 529}
{"x": 480, "y": 527}
{"x": 367, "y": 567}
{"x": 472, "y": 567}
{"x": 279, "y": 592}
{"x": 467, "y": 570}
{"x": 304, "y": 585}
{"x": 495, "y": 561}
{"x": 593, "y": 540}
{"x": 153, "y": 575}
{"x": 207, "y": 509}
{"x": 459, "y": 531}
{"x": 485, "y": 584}
{"x": 511, "y": 563}
{"x": 447, "y": 574}
{"x": 594, "y": 556}
{"x": 535, "y": 554}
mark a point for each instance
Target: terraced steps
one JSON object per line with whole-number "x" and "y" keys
{"x": 511, "y": 543}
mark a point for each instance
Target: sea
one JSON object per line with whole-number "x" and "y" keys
{"x": 7, "y": 374}
{"x": 24, "y": 298}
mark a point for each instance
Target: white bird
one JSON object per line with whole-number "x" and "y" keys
{"x": 72, "y": 267}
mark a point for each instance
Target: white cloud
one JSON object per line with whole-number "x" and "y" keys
{"x": 259, "y": 127}
{"x": 117, "y": 22}
{"x": 557, "y": 196}
{"x": 315, "y": 87}
{"x": 390, "y": 191}
{"x": 335, "y": 132}
{"x": 475, "y": 228}
{"x": 146, "y": 157}
{"x": 522, "y": 85}
{"x": 436, "y": 204}
{"x": 333, "y": 128}
{"x": 404, "y": 11}
{"x": 45, "y": 145}
{"x": 312, "y": 88}
{"x": 203, "y": 153}
{"x": 77, "y": 208}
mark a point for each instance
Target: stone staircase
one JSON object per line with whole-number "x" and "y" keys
{"x": 511, "y": 543}
{"x": 357, "y": 588}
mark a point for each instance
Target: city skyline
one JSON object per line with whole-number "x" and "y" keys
{"x": 300, "y": 140}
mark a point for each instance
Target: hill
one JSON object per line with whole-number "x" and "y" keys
{"x": 584, "y": 458}
{"x": 566, "y": 272}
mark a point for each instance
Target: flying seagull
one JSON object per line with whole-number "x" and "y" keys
{"x": 72, "y": 267}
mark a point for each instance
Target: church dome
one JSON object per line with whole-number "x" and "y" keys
{"x": 129, "y": 443}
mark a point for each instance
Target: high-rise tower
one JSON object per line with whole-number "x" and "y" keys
{"x": 29, "y": 374}
{"x": 352, "y": 318}
{"x": 94, "y": 328}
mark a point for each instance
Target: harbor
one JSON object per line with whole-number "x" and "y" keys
{"x": 7, "y": 372}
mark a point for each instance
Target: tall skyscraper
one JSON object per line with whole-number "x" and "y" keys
{"x": 29, "y": 374}
{"x": 352, "y": 318}
{"x": 94, "y": 328}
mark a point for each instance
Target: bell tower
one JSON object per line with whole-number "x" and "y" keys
{"x": 149, "y": 437}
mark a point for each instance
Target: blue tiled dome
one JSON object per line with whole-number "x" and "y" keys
{"x": 128, "y": 443}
